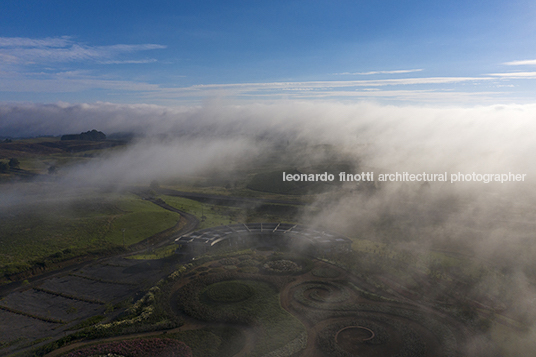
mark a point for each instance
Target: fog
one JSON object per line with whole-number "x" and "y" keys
{"x": 492, "y": 222}
{"x": 382, "y": 139}
{"x": 221, "y": 137}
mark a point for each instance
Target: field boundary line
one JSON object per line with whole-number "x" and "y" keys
{"x": 33, "y": 316}
{"x": 68, "y": 296}
{"x": 102, "y": 280}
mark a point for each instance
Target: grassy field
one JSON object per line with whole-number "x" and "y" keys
{"x": 62, "y": 228}
{"x": 159, "y": 253}
{"x": 279, "y": 327}
{"x": 214, "y": 215}
{"x": 37, "y": 155}
{"x": 141, "y": 219}
{"x": 240, "y": 190}
{"x": 211, "y": 215}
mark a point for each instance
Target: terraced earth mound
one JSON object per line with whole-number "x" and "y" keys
{"x": 299, "y": 307}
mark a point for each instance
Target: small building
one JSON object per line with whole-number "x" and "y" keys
{"x": 237, "y": 236}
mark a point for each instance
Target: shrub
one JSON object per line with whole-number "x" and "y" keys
{"x": 230, "y": 261}
{"x": 249, "y": 270}
{"x": 88, "y": 322}
{"x": 14, "y": 163}
{"x": 305, "y": 264}
{"x": 248, "y": 263}
{"x": 281, "y": 266}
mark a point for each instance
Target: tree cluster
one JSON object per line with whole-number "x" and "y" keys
{"x": 13, "y": 164}
{"x": 92, "y": 135}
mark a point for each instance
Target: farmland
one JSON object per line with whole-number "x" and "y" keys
{"x": 65, "y": 228}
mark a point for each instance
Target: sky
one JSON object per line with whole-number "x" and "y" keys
{"x": 185, "y": 52}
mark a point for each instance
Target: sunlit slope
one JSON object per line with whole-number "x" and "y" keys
{"x": 54, "y": 230}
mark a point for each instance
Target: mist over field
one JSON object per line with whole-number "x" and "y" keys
{"x": 492, "y": 222}
{"x": 378, "y": 138}
{"x": 220, "y": 137}
{"x": 486, "y": 139}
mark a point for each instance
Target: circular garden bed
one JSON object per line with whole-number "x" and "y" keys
{"x": 228, "y": 292}
{"x": 282, "y": 266}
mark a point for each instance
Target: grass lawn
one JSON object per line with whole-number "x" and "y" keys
{"x": 159, "y": 253}
{"x": 141, "y": 219}
{"x": 214, "y": 215}
{"x": 218, "y": 215}
{"x": 263, "y": 304}
{"x": 74, "y": 226}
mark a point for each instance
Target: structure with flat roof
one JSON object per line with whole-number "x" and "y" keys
{"x": 260, "y": 235}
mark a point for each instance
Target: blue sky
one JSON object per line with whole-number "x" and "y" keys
{"x": 182, "y": 52}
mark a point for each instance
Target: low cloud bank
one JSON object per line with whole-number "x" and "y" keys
{"x": 493, "y": 221}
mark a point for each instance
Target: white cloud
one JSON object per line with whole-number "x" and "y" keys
{"x": 67, "y": 82}
{"x": 63, "y": 41}
{"x": 381, "y": 72}
{"x": 414, "y": 96}
{"x": 521, "y": 63}
{"x": 63, "y": 49}
{"x": 514, "y": 75}
{"x": 150, "y": 60}
{"x": 132, "y": 48}
{"x": 339, "y": 84}
{"x": 429, "y": 90}
{"x": 15, "y": 76}
{"x": 5, "y": 58}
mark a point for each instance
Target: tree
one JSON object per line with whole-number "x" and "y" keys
{"x": 3, "y": 167}
{"x": 52, "y": 170}
{"x": 92, "y": 135}
{"x": 14, "y": 163}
